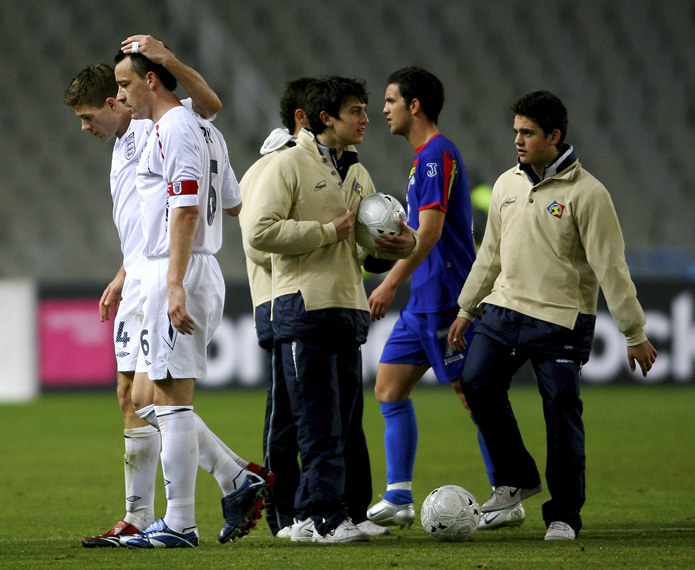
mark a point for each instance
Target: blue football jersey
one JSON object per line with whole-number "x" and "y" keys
{"x": 438, "y": 180}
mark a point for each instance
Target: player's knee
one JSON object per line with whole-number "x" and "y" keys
{"x": 123, "y": 393}
{"x": 380, "y": 392}
{"x": 139, "y": 402}
{"x": 124, "y": 401}
{"x": 390, "y": 392}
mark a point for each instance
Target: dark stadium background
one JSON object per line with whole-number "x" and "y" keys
{"x": 624, "y": 68}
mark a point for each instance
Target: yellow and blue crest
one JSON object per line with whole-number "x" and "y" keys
{"x": 556, "y": 209}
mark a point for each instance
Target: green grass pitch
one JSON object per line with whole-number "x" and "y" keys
{"x": 61, "y": 478}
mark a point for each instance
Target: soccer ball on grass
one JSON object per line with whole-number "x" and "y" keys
{"x": 450, "y": 513}
{"x": 378, "y": 214}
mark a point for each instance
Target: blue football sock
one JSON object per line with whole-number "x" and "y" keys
{"x": 400, "y": 442}
{"x": 399, "y": 497}
{"x": 489, "y": 467}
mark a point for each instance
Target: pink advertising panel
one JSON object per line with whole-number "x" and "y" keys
{"x": 76, "y": 348}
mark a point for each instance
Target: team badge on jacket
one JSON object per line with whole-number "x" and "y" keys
{"x": 556, "y": 209}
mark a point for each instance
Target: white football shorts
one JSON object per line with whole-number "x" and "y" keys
{"x": 163, "y": 350}
{"x": 126, "y": 326}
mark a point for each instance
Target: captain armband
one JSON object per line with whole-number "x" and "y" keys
{"x": 183, "y": 188}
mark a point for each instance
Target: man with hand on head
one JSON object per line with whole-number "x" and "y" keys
{"x": 92, "y": 95}
{"x": 183, "y": 181}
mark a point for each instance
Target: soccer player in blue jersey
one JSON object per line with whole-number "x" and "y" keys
{"x": 439, "y": 207}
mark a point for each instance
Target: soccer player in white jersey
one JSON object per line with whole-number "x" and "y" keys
{"x": 92, "y": 94}
{"x": 182, "y": 188}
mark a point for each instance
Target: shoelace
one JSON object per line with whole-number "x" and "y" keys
{"x": 558, "y": 525}
{"x": 501, "y": 491}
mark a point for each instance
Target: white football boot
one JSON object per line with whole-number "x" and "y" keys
{"x": 386, "y": 513}
{"x": 513, "y": 516}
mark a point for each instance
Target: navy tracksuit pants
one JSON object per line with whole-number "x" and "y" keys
{"x": 280, "y": 450}
{"x": 322, "y": 365}
{"x": 503, "y": 341}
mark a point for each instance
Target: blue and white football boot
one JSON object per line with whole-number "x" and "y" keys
{"x": 159, "y": 535}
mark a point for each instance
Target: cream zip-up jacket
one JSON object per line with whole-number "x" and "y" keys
{"x": 258, "y": 263}
{"x": 547, "y": 248}
{"x": 291, "y": 218}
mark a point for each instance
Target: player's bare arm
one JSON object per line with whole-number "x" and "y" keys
{"x": 456, "y": 332}
{"x": 430, "y": 230}
{"x": 182, "y": 228}
{"x": 111, "y": 297}
{"x": 205, "y": 101}
{"x": 233, "y": 211}
{"x": 644, "y": 354}
{"x": 382, "y": 297}
{"x": 344, "y": 224}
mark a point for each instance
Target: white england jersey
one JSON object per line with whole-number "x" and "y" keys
{"x": 184, "y": 163}
{"x": 126, "y": 205}
{"x": 229, "y": 185}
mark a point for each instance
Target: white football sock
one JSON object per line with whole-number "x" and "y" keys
{"x": 148, "y": 414}
{"x": 400, "y": 486}
{"x": 179, "y": 464}
{"x": 216, "y": 458}
{"x": 142, "y": 446}
{"x": 213, "y": 452}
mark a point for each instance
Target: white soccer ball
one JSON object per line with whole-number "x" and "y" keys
{"x": 450, "y": 513}
{"x": 378, "y": 214}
